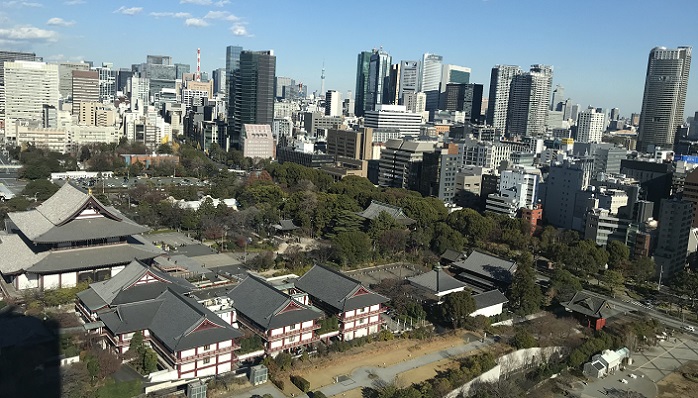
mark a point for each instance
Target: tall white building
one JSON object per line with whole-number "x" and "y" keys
{"x": 500, "y": 86}
{"x": 517, "y": 188}
{"x": 107, "y": 83}
{"x": 529, "y": 102}
{"x": 394, "y": 117}
{"x": 430, "y": 79}
{"x": 409, "y": 79}
{"x": 415, "y": 102}
{"x": 139, "y": 91}
{"x": 29, "y": 86}
{"x": 590, "y": 126}
{"x": 333, "y": 103}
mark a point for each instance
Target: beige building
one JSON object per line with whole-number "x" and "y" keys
{"x": 85, "y": 88}
{"x": 258, "y": 141}
{"x": 96, "y": 114}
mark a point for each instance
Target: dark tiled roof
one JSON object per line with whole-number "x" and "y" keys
{"x": 286, "y": 225}
{"x": 337, "y": 290}
{"x": 93, "y": 257}
{"x": 488, "y": 299}
{"x": 173, "y": 320}
{"x": 269, "y": 307}
{"x": 451, "y": 255}
{"x": 120, "y": 289}
{"x": 488, "y": 266}
{"x": 376, "y": 208}
{"x": 436, "y": 281}
{"x": 589, "y": 305}
{"x": 16, "y": 255}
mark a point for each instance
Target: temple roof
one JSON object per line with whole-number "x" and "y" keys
{"x": 337, "y": 290}
{"x": 376, "y": 207}
{"x": 269, "y": 307}
{"x": 589, "y": 305}
{"x": 437, "y": 281}
{"x": 59, "y": 219}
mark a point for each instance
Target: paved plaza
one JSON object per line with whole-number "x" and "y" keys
{"x": 373, "y": 275}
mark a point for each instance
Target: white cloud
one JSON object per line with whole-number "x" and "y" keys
{"x": 197, "y": 2}
{"x": 64, "y": 58}
{"x": 196, "y": 22}
{"x": 59, "y": 22}
{"x": 74, "y": 2}
{"x": 221, "y": 3}
{"x": 224, "y": 15}
{"x": 128, "y": 11}
{"x": 26, "y": 33}
{"x": 170, "y": 14}
{"x": 240, "y": 30}
{"x": 15, "y": 3}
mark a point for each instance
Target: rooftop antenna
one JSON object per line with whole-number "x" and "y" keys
{"x": 322, "y": 79}
{"x": 198, "y": 64}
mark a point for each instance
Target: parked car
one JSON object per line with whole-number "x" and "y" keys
{"x": 689, "y": 328}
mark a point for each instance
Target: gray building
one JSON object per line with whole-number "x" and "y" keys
{"x": 664, "y": 98}
{"x": 363, "y": 97}
{"x": 378, "y": 78}
{"x": 675, "y": 218}
{"x": 498, "y": 100}
{"x": 409, "y": 79}
{"x": 529, "y": 102}
{"x": 438, "y": 173}
{"x": 561, "y": 187}
{"x": 400, "y": 161}
{"x": 655, "y": 179}
{"x": 251, "y": 99}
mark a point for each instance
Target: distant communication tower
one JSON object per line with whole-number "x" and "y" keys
{"x": 322, "y": 80}
{"x": 198, "y": 64}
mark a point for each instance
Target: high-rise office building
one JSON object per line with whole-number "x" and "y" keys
{"x": 29, "y": 85}
{"x": 452, "y": 74}
{"x": 392, "y": 91}
{"x": 529, "y": 102}
{"x": 558, "y": 99}
{"x": 11, "y": 56}
{"x": 464, "y": 98}
{"x": 409, "y": 79}
{"x": 333, "y": 103}
{"x": 251, "y": 100}
{"x": 363, "y": 98}
{"x": 415, "y": 102}
{"x": 664, "y": 99}
{"x": 85, "y": 88}
{"x": 378, "y": 78}
{"x": 232, "y": 58}
{"x": 590, "y": 126}
{"x": 107, "y": 83}
{"x": 500, "y": 86}
{"x": 219, "y": 81}
{"x": 430, "y": 79}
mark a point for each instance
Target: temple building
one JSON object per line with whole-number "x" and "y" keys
{"x": 70, "y": 238}
{"x": 357, "y": 308}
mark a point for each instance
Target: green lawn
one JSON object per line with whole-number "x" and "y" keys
{"x": 126, "y": 389}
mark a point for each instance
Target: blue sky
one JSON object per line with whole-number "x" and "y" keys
{"x": 598, "y": 48}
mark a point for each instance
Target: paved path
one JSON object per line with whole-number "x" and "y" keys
{"x": 365, "y": 376}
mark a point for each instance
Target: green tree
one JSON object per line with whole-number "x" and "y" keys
{"x": 446, "y": 237}
{"x": 613, "y": 280}
{"x": 470, "y": 223}
{"x": 642, "y": 269}
{"x": 40, "y": 189}
{"x": 165, "y": 149}
{"x": 150, "y": 361}
{"x": 136, "y": 346}
{"x": 618, "y": 253}
{"x": 564, "y": 284}
{"x": 523, "y": 339}
{"x": 525, "y": 296}
{"x": 457, "y": 307}
{"x": 383, "y": 222}
{"x": 352, "y": 247}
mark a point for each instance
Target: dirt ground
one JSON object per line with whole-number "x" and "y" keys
{"x": 676, "y": 385}
{"x": 385, "y": 354}
{"x": 355, "y": 393}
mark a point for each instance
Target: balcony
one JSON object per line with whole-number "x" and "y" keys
{"x": 294, "y": 344}
{"x": 293, "y": 332}
{"x": 362, "y": 325}
{"x": 208, "y": 353}
{"x": 362, "y": 315}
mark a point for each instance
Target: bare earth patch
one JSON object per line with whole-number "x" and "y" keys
{"x": 322, "y": 371}
{"x": 676, "y": 385}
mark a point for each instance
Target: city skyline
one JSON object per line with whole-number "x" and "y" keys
{"x": 550, "y": 33}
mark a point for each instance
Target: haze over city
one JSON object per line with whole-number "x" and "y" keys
{"x": 598, "y": 50}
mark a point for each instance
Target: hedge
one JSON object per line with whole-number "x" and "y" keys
{"x": 301, "y": 383}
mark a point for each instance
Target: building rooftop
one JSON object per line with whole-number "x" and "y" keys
{"x": 488, "y": 299}
{"x": 437, "y": 281}
{"x": 589, "y": 305}
{"x": 337, "y": 290}
{"x": 488, "y": 266}
{"x": 375, "y": 208}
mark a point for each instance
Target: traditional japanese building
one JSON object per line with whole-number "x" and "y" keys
{"x": 591, "y": 311}
{"x": 376, "y": 208}
{"x": 70, "y": 238}
{"x": 283, "y": 321}
{"x": 357, "y": 308}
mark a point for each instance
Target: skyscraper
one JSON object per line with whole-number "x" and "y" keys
{"x": 529, "y": 102}
{"x": 664, "y": 99}
{"x": 500, "y": 86}
{"x": 232, "y": 58}
{"x": 363, "y": 97}
{"x": 378, "y": 78}
{"x": 10, "y": 56}
{"x": 252, "y": 95}
{"x": 430, "y": 79}
{"x": 85, "y": 88}
{"x": 675, "y": 218}
{"x": 558, "y": 99}
{"x": 65, "y": 76}
{"x": 409, "y": 78}
{"x": 452, "y": 74}
{"x": 333, "y": 103}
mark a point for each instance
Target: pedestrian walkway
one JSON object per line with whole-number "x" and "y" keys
{"x": 365, "y": 376}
